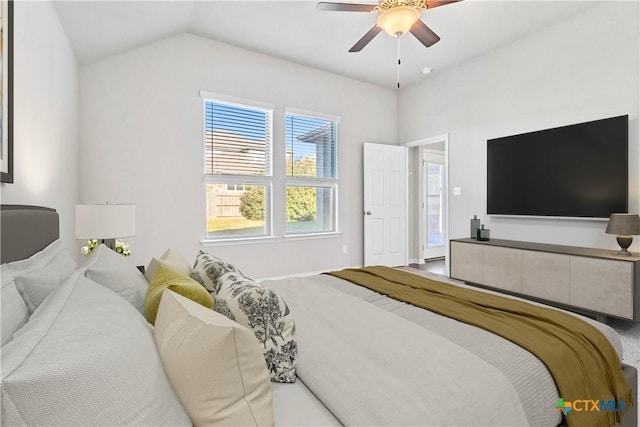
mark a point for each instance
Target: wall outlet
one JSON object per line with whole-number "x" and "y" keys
{"x": 344, "y": 249}
{"x": 457, "y": 191}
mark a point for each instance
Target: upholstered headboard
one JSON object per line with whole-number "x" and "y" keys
{"x": 25, "y": 230}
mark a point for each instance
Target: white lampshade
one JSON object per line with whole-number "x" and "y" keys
{"x": 105, "y": 221}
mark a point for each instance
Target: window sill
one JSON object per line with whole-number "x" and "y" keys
{"x": 267, "y": 239}
{"x": 237, "y": 241}
{"x": 309, "y": 236}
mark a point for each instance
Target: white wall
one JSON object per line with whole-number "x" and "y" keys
{"x": 141, "y": 126}
{"x": 142, "y": 142}
{"x": 45, "y": 116}
{"x": 584, "y": 68}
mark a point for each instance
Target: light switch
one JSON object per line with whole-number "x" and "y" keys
{"x": 457, "y": 191}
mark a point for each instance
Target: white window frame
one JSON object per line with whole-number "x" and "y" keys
{"x": 266, "y": 180}
{"x": 301, "y": 181}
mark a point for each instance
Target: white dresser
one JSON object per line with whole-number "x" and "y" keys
{"x": 593, "y": 280}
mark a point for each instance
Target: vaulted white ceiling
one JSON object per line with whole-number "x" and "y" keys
{"x": 296, "y": 31}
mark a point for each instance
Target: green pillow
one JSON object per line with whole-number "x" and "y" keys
{"x": 165, "y": 278}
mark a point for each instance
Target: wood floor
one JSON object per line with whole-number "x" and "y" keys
{"x": 435, "y": 266}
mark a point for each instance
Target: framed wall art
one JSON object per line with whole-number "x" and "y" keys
{"x": 6, "y": 91}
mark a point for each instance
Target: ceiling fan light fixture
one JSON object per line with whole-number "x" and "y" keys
{"x": 398, "y": 20}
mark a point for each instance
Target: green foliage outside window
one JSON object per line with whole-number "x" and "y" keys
{"x": 301, "y": 201}
{"x": 252, "y": 203}
{"x": 301, "y": 204}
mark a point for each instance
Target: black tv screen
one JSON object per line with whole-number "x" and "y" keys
{"x": 578, "y": 171}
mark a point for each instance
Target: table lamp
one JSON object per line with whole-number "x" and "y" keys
{"x": 105, "y": 222}
{"x": 625, "y": 226}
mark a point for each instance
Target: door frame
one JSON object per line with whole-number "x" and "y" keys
{"x": 423, "y": 143}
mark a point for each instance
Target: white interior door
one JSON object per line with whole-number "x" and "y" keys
{"x": 385, "y": 205}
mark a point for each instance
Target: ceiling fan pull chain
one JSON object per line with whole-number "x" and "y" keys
{"x": 398, "y": 73}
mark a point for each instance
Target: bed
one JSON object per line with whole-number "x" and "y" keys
{"x": 363, "y": 358}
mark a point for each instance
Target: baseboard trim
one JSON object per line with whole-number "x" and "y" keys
{"x": 307, "y": 274}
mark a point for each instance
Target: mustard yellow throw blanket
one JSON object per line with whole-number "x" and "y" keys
{"x": 583, "y": 363}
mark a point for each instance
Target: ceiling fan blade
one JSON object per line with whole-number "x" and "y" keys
{"x": 435, "y": 3}
{"x": 365, "y": 39}
{"x": 423, "y": 33}
{"x": 344, "y": 7}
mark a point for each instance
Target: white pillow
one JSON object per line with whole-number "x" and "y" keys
{"x": 171, "y": 259}
{"x": 266, "y": 314}
{"x": 208, "y": 269}
{"x": 12, "y": 307}
{"x": 86, "y": 357}
{"x": 37, "y": 276}
{"x": 214, "y": 364}
{"x": 114, "y": 271}
{"x": 38, "y": 260}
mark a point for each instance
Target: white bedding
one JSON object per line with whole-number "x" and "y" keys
{"x": 294, "y": 405}
{"x": 436, "y": 371}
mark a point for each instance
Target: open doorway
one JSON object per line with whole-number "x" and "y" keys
{"x": 433, "y": 202}
{"x": 429, "y": 201}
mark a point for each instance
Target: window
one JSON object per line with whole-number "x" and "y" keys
{"x": 236, "y": 187}
{"x": 311, "y": 173}
{"x": 237, "y": 167}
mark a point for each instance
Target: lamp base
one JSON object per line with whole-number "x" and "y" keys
{"x": 111, "y": 243}
{"x": 624, "y": 242}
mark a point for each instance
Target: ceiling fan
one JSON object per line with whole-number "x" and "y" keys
{"x": 396, "y": 17}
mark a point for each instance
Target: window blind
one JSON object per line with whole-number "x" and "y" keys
{"x": 311, "y": 145}
{"x": 237, "y": 139}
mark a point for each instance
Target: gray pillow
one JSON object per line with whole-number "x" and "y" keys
{"x": 86, "y": 357}
{"x": 13, "y": 309}
{"x": 114, "y": 271}
{"x": 37, "y": 276}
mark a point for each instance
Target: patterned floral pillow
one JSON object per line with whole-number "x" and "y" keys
{"x": 208, "y": 270}
{"x": 266, "y": 314}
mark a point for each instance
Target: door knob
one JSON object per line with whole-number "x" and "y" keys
{"x": 368, "y": 213}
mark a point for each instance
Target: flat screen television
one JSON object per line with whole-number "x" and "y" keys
{"x": 575, "y": 171}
